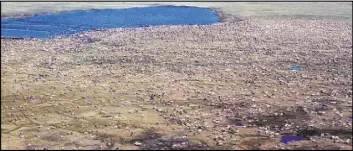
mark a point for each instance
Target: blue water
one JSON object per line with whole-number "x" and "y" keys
{"x": 295, "y": 68}
{"x": 239, "y": 124}
{"x": 287, "y": 139}
{"x": 62, "y": 24}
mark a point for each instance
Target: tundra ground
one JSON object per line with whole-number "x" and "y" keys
{"x": 181, "y": 87}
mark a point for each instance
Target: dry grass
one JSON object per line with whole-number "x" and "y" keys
{"x": 181, "y": 87}
{"x": 79, "y": 93}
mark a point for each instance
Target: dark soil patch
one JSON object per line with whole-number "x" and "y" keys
{"x": 152, "y": 141}
{"x": 173, "y": 144}
{"x": 147, "y": 135}
{"x": 296, "y": 116}
{"x": 317, "y": 146}
{"x": 307, "y": 131}
{"x": 52, "y": 138}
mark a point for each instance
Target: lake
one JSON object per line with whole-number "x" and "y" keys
{"x": 52, "y": 25}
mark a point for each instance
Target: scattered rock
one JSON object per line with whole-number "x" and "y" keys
{"x": 109, "y": 144}
{"x": 137, "y": 143}
{"x": 220, "y": 143}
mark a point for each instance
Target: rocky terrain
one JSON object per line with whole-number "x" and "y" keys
{"x": 222, "y": 86}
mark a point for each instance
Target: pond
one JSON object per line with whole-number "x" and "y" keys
{"x": 51, "y": 25}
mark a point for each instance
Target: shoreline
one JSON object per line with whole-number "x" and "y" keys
{"x": 221, "y": 15}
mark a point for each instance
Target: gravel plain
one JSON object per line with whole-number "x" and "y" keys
{"x": 181, "y": 87}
